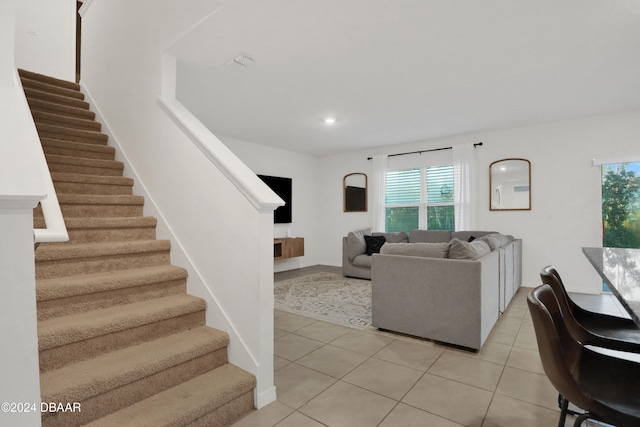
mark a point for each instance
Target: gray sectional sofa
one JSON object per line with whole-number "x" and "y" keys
{"x": 437, "y": 284}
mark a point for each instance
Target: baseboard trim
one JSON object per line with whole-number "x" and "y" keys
{"x": 264, "y": 398}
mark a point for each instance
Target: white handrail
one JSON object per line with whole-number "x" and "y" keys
{"x": 56, "y": 230}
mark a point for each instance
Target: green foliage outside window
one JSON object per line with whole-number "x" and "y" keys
{"x": 621, "y": 205}
{"x": 402, "y": 218}
{"x": 440, "y": 218}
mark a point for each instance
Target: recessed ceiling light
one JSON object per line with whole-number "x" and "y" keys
{"x": 329, "y": 120}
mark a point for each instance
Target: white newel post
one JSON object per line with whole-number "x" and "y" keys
{"x": 19, "y": 368}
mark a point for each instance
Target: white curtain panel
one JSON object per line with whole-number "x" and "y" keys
{"x": 463, "y": 161}
{"x": 378, "y": 191}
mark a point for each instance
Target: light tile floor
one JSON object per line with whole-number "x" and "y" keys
{"x": 330, "y": 375}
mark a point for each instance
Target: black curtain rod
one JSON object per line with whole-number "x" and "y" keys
{"x": 425, "y": 151}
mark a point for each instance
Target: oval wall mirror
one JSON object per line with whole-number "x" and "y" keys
{"x": 510, "y": 185}
{"x": 355, "y": 192}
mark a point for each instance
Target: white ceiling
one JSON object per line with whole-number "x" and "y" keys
{"x": 398, "y": 71}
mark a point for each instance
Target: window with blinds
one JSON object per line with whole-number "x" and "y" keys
{"x": 419, "y": 198}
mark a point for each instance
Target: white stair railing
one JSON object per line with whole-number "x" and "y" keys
{"x": 56, "y": 230}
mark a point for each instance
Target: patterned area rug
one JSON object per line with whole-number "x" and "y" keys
{"x": 327, "y": 296}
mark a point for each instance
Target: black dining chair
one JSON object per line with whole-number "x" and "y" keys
{"x": 590, "y": 327}
{"x": 603, "y": 385}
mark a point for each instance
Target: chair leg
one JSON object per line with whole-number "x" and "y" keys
{"x": 581, "y": 418}
{"x": 564, "y": 405}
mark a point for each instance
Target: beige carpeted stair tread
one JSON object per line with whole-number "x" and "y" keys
{"x": 79, "y": 149}
{"x": 50, "y": 88}
{"x": 63, "y": 330}
{"x": 184, "y": 403}
{"x": 65, "y": 287}
{"x": 25, "y": 74}
{"x": 55, "y": 98}
{"x": 81, "y": 380}
{"x": 105, "y": 229}
{"x": 126, "y": 222}
{"x": 91, "y": 179}
{"x": 100, "y": 199}
{"x": 66, "y": 121}
{"x": 60, "y": 109}
{"x": 67, "y": 134}
{"x": 80, "y": 161}
{"x": 105, "y": 249}
{"x": 86, "y": 258}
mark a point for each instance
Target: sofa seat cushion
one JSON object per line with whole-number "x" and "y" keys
{"x": 362, "y": 261}
{"x": 461, "y": 249}
{"x": 428, "y": 250}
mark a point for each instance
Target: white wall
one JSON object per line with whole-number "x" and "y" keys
{"x": 565, "y": 187}
{"x": 46, "y": 37}
{"x": 222, "y": 239}
{"x": 303, "y": 169}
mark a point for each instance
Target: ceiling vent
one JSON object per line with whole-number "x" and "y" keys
{"x": 242, "y": 60}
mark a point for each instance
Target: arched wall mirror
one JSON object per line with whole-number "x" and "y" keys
{"x": 510, "y": 185}
{"x": 354, "y": 186}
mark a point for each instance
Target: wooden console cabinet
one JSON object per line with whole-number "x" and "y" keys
{"x": 288, "y": 248}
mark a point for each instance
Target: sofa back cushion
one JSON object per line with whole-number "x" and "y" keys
{"x": 397, "y": 237}
{"x": 495, "y": 240}
{"x": 461, "y": 249}
{"x": 428, "y": 250}
{"x": 429, "y": 236}
{"x": 467, "y": 235}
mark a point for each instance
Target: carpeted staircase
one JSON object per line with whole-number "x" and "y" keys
{"x": 117, "y": 331}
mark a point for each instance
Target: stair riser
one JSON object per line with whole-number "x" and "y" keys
{"x": 61, "y": 110}
{"x": 99, "y": 139}
{"x": 55, "y": 99}
{"x": 126, "y": 395}
{"x": 63, "y": 355}
{"x": 227, "y": 413}
{"x": 98, "y": 300}
{"x": 70, "y": 267}
{"x": 62, "y": 151}
{"x": 86, "y": 170}
{"x": 68, "y": 123}
{"x": 52, "y": 89}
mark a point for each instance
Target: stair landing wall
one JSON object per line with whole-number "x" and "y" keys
{"x": 217, "y": 232}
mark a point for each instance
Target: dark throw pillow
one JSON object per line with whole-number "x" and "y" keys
{"x": 374, "y": 243}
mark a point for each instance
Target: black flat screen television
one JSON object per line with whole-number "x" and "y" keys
{"x": 282, "y": 187}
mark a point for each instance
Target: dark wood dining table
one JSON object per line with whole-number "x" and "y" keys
{"x": 620, "y": 270}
